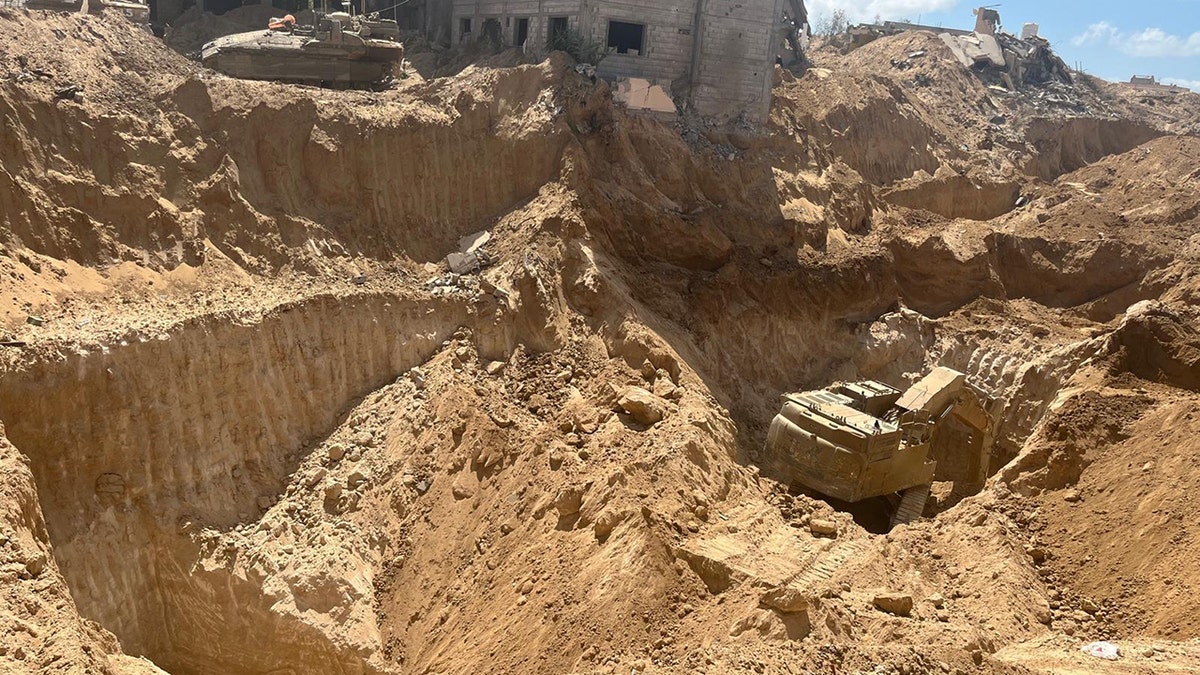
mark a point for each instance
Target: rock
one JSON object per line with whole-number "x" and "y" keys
{"x": 1043, "y": 615}
{"x": 537, "y": 402}
{"x": 317, "y": 477}
{"x": 36, "y": 564}
{"x": 937, "y": 600}
{"x": 900, "y": 604}
{"x": 784, "y": 599}
{"x": 333, "y": 494}
{"x": 355, "y": 479}
{"x": 648, "y": 370}
{"x": 644, "y": 407}
{"x": 663, "y": 386}
{"x": 823, "y": 528}
{"x": 605, "y": 523}
{"x": 495, "y": 367}
{"x": 500, "y": 418}
{"x": 365, "y": 439}
{"x": 568, "y": 502}
{"x": 336, "y": 452}
{"x": 1089, "y": 606}
{"x": 462, "y": 491}
{"x": 1072, "y": 496}
{"x": 265, "y": 502}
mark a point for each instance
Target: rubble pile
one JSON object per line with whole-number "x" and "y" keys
{"x": 998, "y": 57}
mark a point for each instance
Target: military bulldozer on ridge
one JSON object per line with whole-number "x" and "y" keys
{"x": 866, "y": 439}
{"x": 339, "y": 49}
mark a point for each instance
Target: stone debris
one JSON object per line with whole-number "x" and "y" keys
{"x": 900, "y": 604}
{"x": 644, "y": 407}
{"x": 1004, "y": 59}
{"x": 823, "y": 528}
{"x": 470, "y": 257}
{"x": 785, "y": 599}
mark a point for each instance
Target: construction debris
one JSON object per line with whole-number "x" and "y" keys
{"x": 1001, "y": 58}
{"x": 470, "y": 256}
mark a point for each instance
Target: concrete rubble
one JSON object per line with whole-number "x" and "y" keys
{"x": 1004, "y": 59}
{"x": 470, "y": 256}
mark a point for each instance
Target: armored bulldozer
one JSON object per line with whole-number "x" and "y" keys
{"x": 338, "y": 49}
{"x": 866, "y": 439}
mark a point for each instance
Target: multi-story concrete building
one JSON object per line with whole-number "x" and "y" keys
{"x": 718, "y": 55}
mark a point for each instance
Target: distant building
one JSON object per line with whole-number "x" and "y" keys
{"x": 718, "y": 55}
{"x": 1151, "y": 84}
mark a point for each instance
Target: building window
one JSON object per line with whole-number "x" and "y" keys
{"x": 464, "y": 26}
{"x": 626, "y": 38}
{"x": 558, "y": 28}
{"x": 522, "y": 32}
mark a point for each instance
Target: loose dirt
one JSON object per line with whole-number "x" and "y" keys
{"x": 252, "y": 423}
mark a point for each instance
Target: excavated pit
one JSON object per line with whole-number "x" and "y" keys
{"x": 200, "y": 429}
{"x": 141, "y": 450}
{"x": 184, "y": 474}
{"x": 137, "y": 446}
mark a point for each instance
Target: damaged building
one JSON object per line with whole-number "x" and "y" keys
{"x": 1014, "y": 62}
{"x": 1150, "y": 84}
{"x": 716, "y": 56}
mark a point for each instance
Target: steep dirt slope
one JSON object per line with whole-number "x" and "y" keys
{"x": 269, "y": 432}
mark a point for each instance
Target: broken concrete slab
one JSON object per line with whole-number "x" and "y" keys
{"x": 470, "y": 256}
{"x": 474, "y": 241}
{"x": 975, "y": 48}
{"x": 639, "y": 94}
{"x": 465, "y": 263}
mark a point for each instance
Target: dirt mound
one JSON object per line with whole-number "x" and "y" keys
{"x": 257, "y": 425}
{"x": 192, "y": 29}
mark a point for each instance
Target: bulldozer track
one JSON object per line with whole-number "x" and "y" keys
{"x": 912, "y": 505}
{"x": 824, "y": 567}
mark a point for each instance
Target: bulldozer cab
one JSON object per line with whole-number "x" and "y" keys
{"x": 866, "y": 439}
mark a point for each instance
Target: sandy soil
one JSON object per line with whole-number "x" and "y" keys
{"x": 252, "y": 423}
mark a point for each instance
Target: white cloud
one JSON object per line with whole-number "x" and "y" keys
{"x": 1194, "y": 85}
{"x": 1148, "y": 43}
{"x": 893, "y": 10}
{"x": 1097, "y": 33}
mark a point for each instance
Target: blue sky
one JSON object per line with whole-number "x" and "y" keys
{"x": 1111, "y": 39}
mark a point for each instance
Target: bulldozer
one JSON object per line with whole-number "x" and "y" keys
{"x": 861, "y": 440}
{"x": 339, "y": 49}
